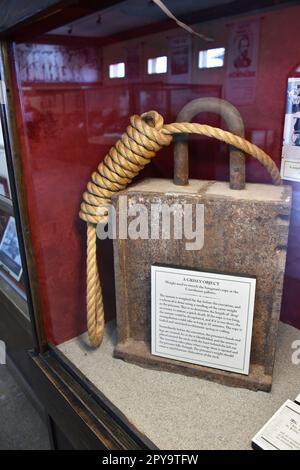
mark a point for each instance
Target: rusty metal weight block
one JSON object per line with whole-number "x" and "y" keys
{"x": 245, "y": 232}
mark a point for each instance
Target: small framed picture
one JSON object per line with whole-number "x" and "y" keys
{"x": 4, "y": 189}
{"x": 10, "y": 258}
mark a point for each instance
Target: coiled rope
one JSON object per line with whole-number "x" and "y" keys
{"x": 145, "y": 136}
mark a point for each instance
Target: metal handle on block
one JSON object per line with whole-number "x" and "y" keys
{"x": 235, "y": 125}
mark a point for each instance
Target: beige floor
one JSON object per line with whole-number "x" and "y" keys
{"x": 178, "y": 412}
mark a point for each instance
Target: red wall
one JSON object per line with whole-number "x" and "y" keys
{"x": 66, "y": 128}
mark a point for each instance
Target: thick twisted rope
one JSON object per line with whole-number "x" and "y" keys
{"x": 145, "y": 136}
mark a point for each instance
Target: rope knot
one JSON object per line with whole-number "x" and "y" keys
{"x": 141, "y": 141}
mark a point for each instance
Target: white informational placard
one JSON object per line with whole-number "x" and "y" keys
{"x": 282, "y": 431}
{"x": 290, "y": 164}
{"x": 202, "y": 318}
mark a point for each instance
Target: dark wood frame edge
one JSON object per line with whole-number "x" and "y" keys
{"x": 72, "y": 406}
{"x": 143, "y": 441}
{"x": 21, "y": 211}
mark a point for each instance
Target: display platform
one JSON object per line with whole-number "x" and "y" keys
{"x": 178, "y": 412}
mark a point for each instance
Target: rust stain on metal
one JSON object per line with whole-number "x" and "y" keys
{"x": 246, "y": 232}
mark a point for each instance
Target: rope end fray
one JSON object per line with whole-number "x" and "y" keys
{"x": 179, "y": 23}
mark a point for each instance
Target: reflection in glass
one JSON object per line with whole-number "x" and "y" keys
{"x": 211, "y": 58}
{"x": 78, "y": 90}
{"x": 157, "y": 65}
{"x": 10, "y": 258}
{"x": 117, "y": 70}
{"x": 4, "y": 181}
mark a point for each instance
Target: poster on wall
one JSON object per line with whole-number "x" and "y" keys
{"x": 180, "y": 58}
{"x": 290, "y": 164}
{"x": 242, "y": 62}
{"x": 10, "y": 258}
{"x": 133, "y": 62}
{"x": 55, "y": 63}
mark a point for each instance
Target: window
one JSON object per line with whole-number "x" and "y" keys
{"x": 117, "y": 70}
{"x": 211, "y": 58}
{"x": 157, "y": 65}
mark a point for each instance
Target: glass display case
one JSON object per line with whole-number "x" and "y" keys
{"x": 74, "y": 85}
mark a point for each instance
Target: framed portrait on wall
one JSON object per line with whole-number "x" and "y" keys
{"x": 10, "y": 258}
